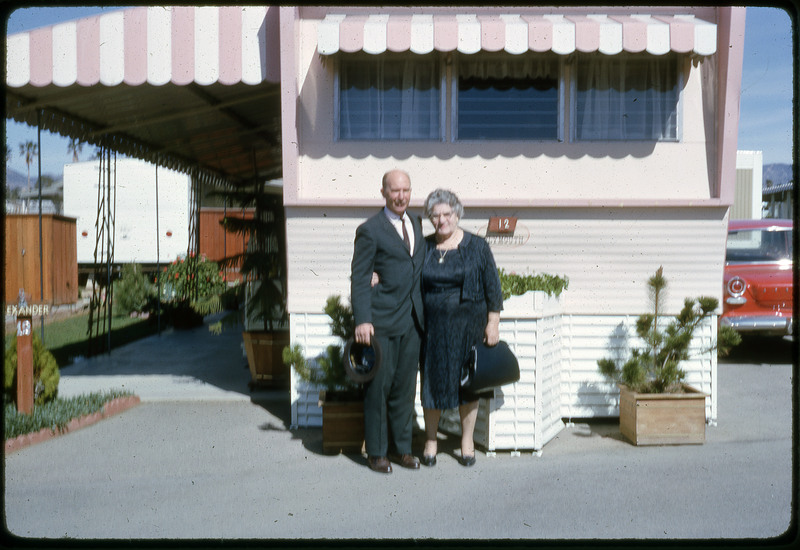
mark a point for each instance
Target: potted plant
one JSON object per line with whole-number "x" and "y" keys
{"x": 656, "y": 406}
{"x": 342, "y": 400}
{"x": 263, "y": 269}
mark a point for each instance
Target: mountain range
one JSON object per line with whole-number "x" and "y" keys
{"x": 17, "y": 180}
{"x": 777, "y": 173}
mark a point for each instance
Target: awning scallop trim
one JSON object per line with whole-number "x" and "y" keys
{"x": 154, "y": 45}
{"x": 516, "y": 33}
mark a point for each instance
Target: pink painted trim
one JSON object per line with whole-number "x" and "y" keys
{"x": 445, "y": 33}
{"x": 230, "y": 45}
{"x": 272, "y": 40}
{"x": 516, "y": 202}
{"x": 398, "y": 33}
{"x": 88, "y": 51}
{"x": 182, "y": 45}
{"x": 135, "y": 46}
{"x": 351, "y": 33}
{"x": 587, "y": 33}
{"x": 493, "y": 33}
{"x": 111, "y": 408}
{"x": 730, "y": 48}
{"x": 41, "y": 56}
{"x": 540, "y": 33}
{"x": 634, "y": 33}
{"x": 290, "y": 102}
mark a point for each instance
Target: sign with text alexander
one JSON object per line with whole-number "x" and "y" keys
{"x": 27, "y": 310}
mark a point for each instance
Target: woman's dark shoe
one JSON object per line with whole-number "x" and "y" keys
{"x": 428, "y": 460}
{"x": 468, "y": 460}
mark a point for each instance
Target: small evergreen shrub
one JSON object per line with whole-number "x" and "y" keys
{"x": 133, "y": 291}
{"x": 654, "y": 367}
{"x": 45, "y": 372}
{"x": 329, "y": 369}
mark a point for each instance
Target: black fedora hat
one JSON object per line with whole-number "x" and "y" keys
{"x": 361, "y": 362}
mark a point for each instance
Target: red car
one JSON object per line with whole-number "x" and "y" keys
{"x": 758, "y": 291}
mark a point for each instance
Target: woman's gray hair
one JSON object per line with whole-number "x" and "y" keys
{"x": 443, "y": 196}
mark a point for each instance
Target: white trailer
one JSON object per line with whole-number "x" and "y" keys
{"x": 136, "y": 213}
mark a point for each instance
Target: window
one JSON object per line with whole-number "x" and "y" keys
{"x": 382, "y": 97}
{"x": 502, "y": 97}
{"x": 624, "y": 98}
{"x": 508, "y": 98}
{"x": 759, "y": 245}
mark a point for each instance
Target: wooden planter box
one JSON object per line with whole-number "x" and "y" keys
{"x": 265, "y": 358}
{"x": 342, "y": 422}
{"x": 662, "y": 418}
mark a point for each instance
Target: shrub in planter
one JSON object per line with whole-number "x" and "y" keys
{"x": 45, "y": 372}
{"x": 342, "y": 400}
{"x": 513, "y": 284}
{"x": 329, "y": 372}
{"x": 134, "y": 291}
{"x": 654, "y": 367}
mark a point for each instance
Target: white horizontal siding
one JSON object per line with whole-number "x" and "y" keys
{"x": 607, "y": 254}
{"x": 320, "y": 249}
{"x": 312, "y": 331}
{"x": 586, "y": 393}
{"x": 526, "y": 414}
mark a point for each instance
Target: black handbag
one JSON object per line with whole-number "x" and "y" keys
{"x": 487, "y": 367}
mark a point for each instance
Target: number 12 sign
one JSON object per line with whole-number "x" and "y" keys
{"x": 502, "y": 225}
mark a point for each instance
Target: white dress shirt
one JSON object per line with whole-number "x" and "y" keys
{"x": 398, "y": 222}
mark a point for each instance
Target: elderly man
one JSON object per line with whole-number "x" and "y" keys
{"x": 390, "y": 244}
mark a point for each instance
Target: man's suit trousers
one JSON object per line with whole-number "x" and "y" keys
{"x": 389, "y": 397}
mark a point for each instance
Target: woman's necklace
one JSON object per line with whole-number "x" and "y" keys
{"x": 443, "y": 251}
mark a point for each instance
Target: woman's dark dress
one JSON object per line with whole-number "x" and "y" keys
{"x": 452, "y": 327}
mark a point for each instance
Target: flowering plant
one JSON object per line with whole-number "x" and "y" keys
{"x": 513, "y": 284}
{"x": 192, "y": 279}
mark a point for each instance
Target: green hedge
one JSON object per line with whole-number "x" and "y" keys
{"x": 57, "y": 413}
{"x": 45, "y": 371}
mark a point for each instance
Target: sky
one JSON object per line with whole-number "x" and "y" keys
{"x": 765, "y": 122}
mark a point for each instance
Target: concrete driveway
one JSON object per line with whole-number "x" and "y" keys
{"x": 202, "y": 458}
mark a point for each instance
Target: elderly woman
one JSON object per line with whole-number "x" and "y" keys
{"x": 462, "y": 300}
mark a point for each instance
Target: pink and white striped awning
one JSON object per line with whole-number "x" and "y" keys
{"x": 154, "y": 45}
{"x": 516, "y": 34}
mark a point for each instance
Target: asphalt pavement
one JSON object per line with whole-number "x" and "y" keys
{"x": 202, "y": 458}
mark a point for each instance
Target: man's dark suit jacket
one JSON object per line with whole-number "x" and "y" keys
{"x": 389, "y": 305}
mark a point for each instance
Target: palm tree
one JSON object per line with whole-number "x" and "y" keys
{"x": 30, "y": 151}
{"x": 75, "y": 147}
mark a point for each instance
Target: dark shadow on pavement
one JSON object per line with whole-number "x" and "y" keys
{"x": 597, "y": 427}
{"x": 758, "y": 350}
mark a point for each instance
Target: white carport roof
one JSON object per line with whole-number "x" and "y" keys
{"x": 191, "y": 88}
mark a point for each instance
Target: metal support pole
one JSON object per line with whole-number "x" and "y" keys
{"x": 41, "y": 254}
{"x": 158, "y": 258}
